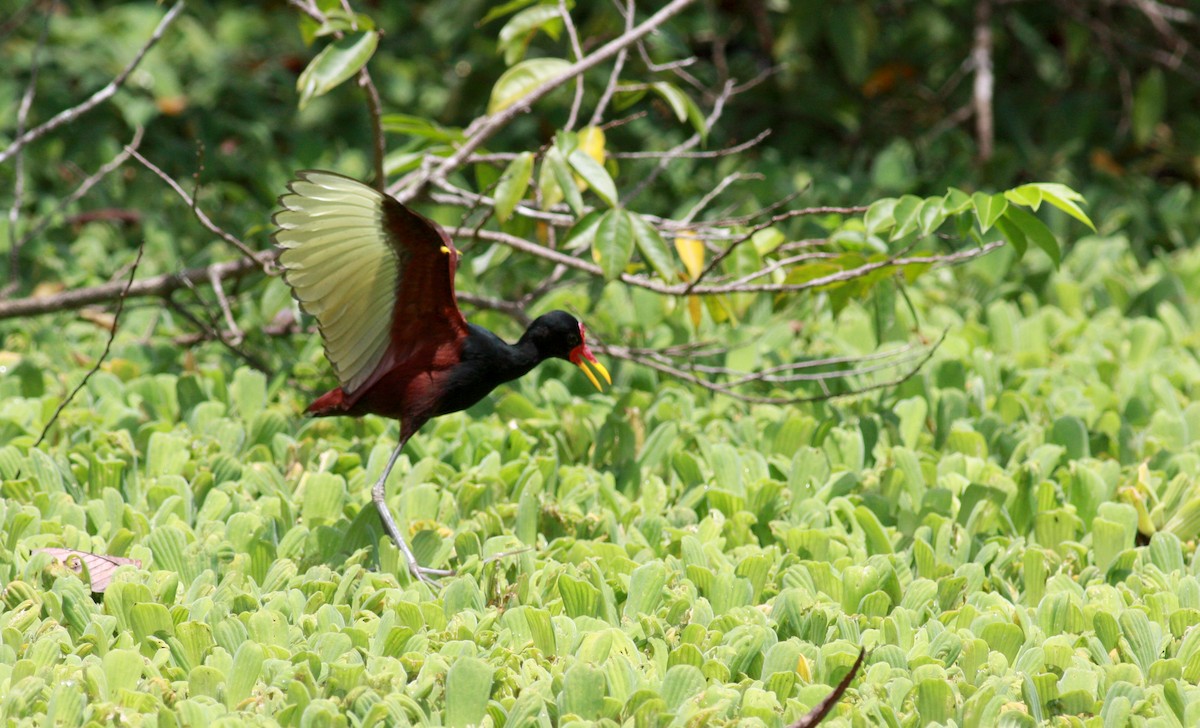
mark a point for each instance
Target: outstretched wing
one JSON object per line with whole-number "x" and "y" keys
{"x": 378, "y": 277}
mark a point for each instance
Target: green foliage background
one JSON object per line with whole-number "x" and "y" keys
{"x": 1011, "y": 533}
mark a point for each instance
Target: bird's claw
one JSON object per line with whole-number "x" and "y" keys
{"x": 426, "y": 574}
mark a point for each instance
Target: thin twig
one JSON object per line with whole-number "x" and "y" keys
{"x": 158, "y": 286}
{"x": 776, "y": 219}
{"x": 693, "y": 140}
{"x": 107, "y": 346}
{"x": 683, "y": 289}
{"x": 483, "y": 128}
{"x": 236, "y": 335}
{"x": 710, "y": 154}
{"x": 729, "y": 390}
{"x": 981, "y": 55}
{"x": 712, "y": 194}
{"x": 813, "y": 718}
{"x": 201, "y": 216}
{"x": 577, "y": 49}
{"x": 375, "y": 112}
{"x": 69, "y": 115}
{"x": 615, "y": 76}
{"x": 84, "y": 187}
{"x": 214, "y": 334}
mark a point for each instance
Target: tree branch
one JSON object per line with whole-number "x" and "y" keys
{"x": 203, "y": 218}
{"x": 107, "y": 346}
{"x": 158, "y": 286}
{"x": 69, "y": 115}
{"x": 485, "y": 127}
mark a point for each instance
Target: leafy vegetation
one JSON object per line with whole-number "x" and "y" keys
{"x": 1010, "y": 532}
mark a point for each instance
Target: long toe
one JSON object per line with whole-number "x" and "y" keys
{"x": 427, "y": 575}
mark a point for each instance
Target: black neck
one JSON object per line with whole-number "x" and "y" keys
{"x": 511, "y": 361}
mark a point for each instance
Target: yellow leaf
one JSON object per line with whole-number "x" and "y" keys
{"x": 591, "y": 141}
{"x": 802, "y": 669}
{"x": 696, "y": 310}
{"x": 691, "y": 252}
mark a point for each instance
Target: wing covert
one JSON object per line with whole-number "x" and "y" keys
{"x": 378, "y": 278}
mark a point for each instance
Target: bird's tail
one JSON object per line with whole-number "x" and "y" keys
{"x": 330, "y": 404}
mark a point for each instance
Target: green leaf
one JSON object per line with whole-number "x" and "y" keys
{"x": 654, "y": 249}
{"x": 907, "y": 214}
{"x": 1013, "y": 234}
{"x": 335, "y": 63}
{"x": 123, "y": 669}
{"x": 931, "y": 215}
{"x": 324, "y": 497}
{"x": 503, "y": 9}
{"x": 1062, "y": 197}
{"x": 522, "y": 79}
{"x": 645, "y": 589}
{"x": 681, "y": 683}
{"x": 1149, "y": 103}
{"x": 613, "y": 245}
{"x": 247, "y": 666}
{"x": 595, "y": 175}
{"x": 988, "y": 208}
{"x": 1036, "y": 230}
{"x": 675, "y": 98}
{"x": 850, "y": 31}
{"x": 517, "y": 32}
{"x": 684, "y": 108}
{"x": 468, "y": 688}
{"x": 418, "y": 127}
{"x": 956, "y": 201}
{"x": 513, "y": 185}
{"x": 338, "y": 20}
{"x": 150, "y": 619}
{"x": 563, "y": 178}
{"x": 881, "y": 216}
{"x": 583, "y": 691}
{"x": 578, "y": 596}
{"x": 1028, "y": 195}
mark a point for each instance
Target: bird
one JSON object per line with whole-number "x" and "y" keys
{"x": 379, "y": 280}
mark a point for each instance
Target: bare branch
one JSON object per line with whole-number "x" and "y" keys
{"x": 615, "y": 76}
{"x": 107, "y": 346}
{"x": 578, "y": 50}
{"x": 69, "y": 115}
{"x": 215, "y": 334}
{"x": 813, "y": 718}
{"x": 712, "y": 154}
{"x": 485, "y": 127}
{"x": 693, "y": 140}
{"x": 981, "y": 59}
{"x": 712, "y": 194}
{"x": 683, "y": 289}
{"x": 664, "y": 366}
{"x": 158, "y": 286}
{"x": 514, "y": 311}
{"x": 717, "y": 259}
{"x": 202, "y": 217}
{"x": 375, "y": 112}
{"x": 236, "y": 335}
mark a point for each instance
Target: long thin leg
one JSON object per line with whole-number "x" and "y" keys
{"x": 379, "y": 495}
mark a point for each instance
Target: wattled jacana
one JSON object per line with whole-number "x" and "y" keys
{"x": 379, "y": 279}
